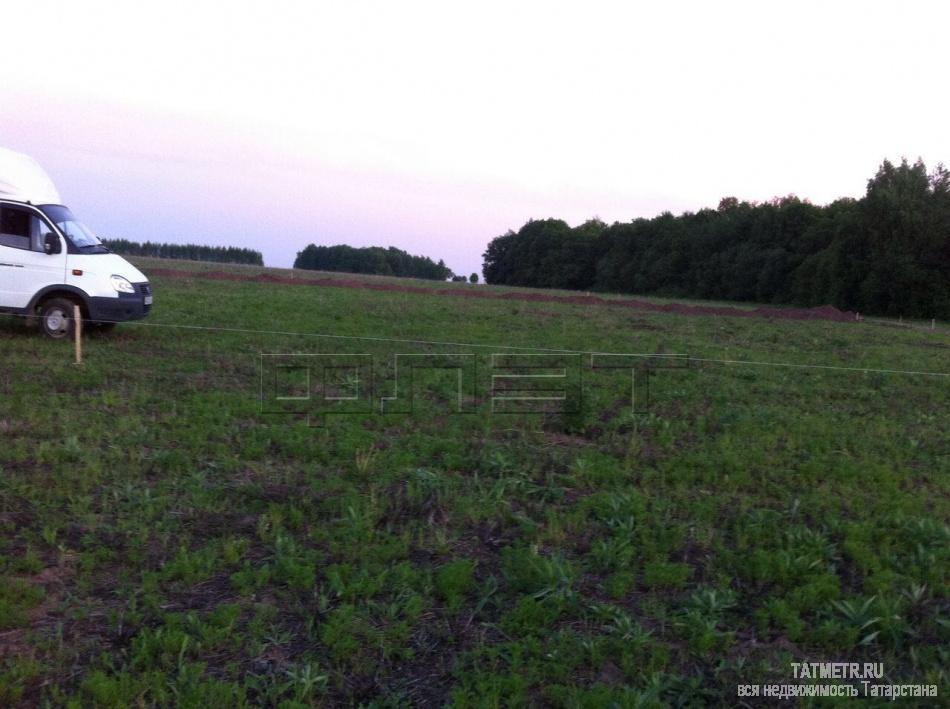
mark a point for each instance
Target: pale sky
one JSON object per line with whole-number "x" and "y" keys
{"x": 435, "y": 126}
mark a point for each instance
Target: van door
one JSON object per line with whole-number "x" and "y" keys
{"x": 25, "y": 267}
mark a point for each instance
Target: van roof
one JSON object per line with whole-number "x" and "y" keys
{"x": 23, "y": 180}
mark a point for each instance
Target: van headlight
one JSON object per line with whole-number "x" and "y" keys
{"x": 122, "y": 284}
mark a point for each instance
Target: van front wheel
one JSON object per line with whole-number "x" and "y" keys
{"x": 56, "y": 318}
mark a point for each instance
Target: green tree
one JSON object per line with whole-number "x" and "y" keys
{"x": 888, "y": 252}
{"x": 373, "y": 260}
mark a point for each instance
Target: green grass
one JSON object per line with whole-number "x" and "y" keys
{"x": 163, "y": 542}
{"x": 145, "y": 263}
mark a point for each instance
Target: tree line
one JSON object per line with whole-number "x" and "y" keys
{"x": 190, "y": 252}
{"x": 886, "y": 253}
{"x": 371, "y": 259}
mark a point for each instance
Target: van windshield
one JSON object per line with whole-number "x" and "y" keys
{"x": 78, "y": 233}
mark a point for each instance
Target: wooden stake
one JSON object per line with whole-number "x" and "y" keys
{"x": 77, "y": 331}
{"x": 933, "y": 323}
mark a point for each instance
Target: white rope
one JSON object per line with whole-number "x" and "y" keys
{"x": 870, "y": 370}
{"x": 522, "y": 348}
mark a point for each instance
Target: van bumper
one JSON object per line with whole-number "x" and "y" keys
{"x": 127, "y": 306}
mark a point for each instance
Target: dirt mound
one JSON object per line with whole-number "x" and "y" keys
{"x": 823, "y": 312}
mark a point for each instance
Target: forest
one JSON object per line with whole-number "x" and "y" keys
{"x": 371, "y": 259}
{"x": 191, "y": 252}
{"x": 887, "y": 253}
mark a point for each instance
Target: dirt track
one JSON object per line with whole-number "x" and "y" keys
{"x": 824, "y": 312}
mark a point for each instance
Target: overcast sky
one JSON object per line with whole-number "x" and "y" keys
{"x": 437, "y": 126}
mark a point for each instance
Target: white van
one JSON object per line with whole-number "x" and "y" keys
{"x": 50, "y": 261}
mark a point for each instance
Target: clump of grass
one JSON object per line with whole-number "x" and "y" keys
{"x": 16, "y": 598}
{"x": 665, "y": 574}
{"x": 455, "y": 581}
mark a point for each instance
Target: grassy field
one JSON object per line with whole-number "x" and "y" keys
{"x": 163, "y": 542}
{"x": 198, "y": 267}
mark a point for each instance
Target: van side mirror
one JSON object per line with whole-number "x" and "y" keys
{"x": 51, "y": 244}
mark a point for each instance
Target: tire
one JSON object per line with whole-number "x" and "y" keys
{"x": 56, "y": 318}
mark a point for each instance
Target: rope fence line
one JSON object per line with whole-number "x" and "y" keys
{"x": 522, "y": 348}
{"x": 793, "y": 365}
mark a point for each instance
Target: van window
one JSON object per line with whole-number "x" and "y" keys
{"x": 15, "y": 227}
{"x": 38, "y": 231}
{"x": 74, "y": 230}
